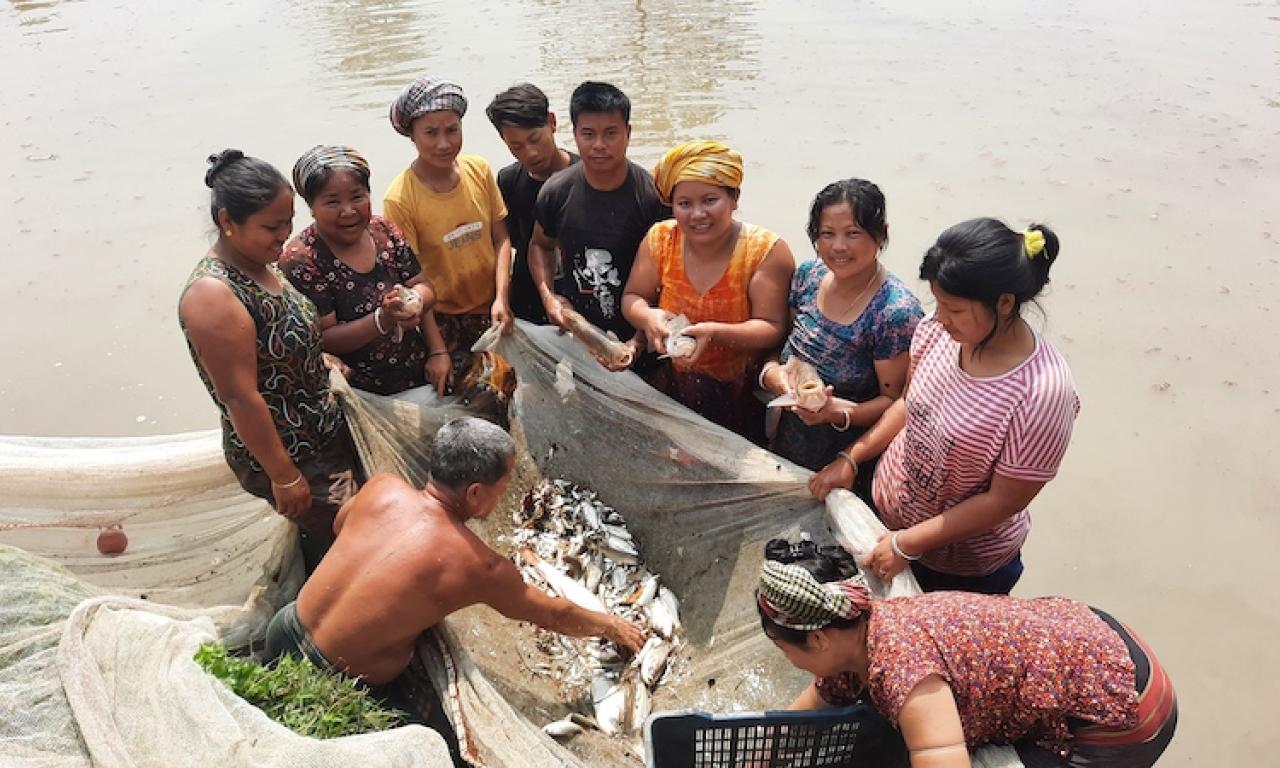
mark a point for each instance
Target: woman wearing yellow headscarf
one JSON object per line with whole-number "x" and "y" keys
{"x": 728, "y": 278}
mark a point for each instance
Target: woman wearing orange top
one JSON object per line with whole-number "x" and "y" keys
{"x": 729, "y": 278}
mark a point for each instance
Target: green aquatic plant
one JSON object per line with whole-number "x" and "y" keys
{"x": 299, "y": 695}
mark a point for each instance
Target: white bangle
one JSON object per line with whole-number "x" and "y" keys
{"x": 291, "y": 483}
{"x": 845, "y": 455}
{"x": 846, "y": 426}
{"x": 767, "y": 367}
{"x": 377, "y": 321}
{"x": 897, "y": 550}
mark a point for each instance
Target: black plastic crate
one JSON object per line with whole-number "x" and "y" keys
{"x": 851, "y": 736}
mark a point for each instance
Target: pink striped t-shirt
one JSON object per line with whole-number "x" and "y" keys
{"x": 960, "y": 431}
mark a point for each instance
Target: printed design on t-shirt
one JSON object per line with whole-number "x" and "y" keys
{"x": 463, "y": 235}
{"x": 925, "y": 458}
{"x": 595, "y": 275}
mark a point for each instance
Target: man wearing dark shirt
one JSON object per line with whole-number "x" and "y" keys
{"x": 523, "y": 119}
{"x": 596, "y": 212}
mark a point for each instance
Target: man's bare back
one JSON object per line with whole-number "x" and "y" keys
{"x": 400, "y": 564}
{"x": 403, "y": 560}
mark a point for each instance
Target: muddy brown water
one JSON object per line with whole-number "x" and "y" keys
{"x": 1145, "y": 132}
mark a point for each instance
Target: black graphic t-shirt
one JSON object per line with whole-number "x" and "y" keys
{"x": 520, "y": 193}
{"x": 598, "y": 233}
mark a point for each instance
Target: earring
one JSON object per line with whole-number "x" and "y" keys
{"x": 226, "y": 232}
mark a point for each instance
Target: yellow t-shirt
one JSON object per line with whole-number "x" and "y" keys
{"x": 452, "y": 233}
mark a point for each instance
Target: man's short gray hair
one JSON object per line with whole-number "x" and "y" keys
{"x": 470, "y": 450}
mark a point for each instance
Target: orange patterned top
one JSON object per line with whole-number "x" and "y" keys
{"x": 724, "y": 302}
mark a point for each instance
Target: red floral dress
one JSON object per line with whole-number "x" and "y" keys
{"x": 1018, "y": 668}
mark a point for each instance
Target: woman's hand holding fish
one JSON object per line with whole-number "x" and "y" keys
{"x": 835, "y": 411}
{"x": 334, "y": 363}
{"x": 655, "y": 329}
{"x": 703, "y": 334}
{"x": 394, "y": 308}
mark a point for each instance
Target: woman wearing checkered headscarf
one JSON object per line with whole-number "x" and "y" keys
{"x": 1066, "y": 684}
{"x": 452, "y": 214}
{"x": 727, "y": 277}
{"x": 374, "y": 304}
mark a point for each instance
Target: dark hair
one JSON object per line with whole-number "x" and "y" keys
{"x": 982, "y": 259}
{"x": 824, "y": 564}
{"x": 599, "y": 98}
{"x": 523, "y": 105}
{"x": 241, "y": 185}
{"x": 469, "y": 450}
{"x": 866, "y": 200}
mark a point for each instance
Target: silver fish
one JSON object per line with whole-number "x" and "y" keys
{"x": 591, "y": 576}
{"x": 669, "y": 599}
{"x": 616, "y": 530}
{"x": 661, "y": 619}
{"x": 642, "y": 594}
{"x": 640, "y": 702}
{"x": 619, "y": 550}
{"x": 652, "y": 660}
{"x": 610, "y": 699}
{"x": 590, "y": 515}
{"x": 562, "y": 584}
{"x": 562, "y": 728}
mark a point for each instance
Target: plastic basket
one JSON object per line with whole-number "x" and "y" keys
{"x": 850, "y": 736}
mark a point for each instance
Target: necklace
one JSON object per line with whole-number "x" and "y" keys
{"x": 874, "y": 276}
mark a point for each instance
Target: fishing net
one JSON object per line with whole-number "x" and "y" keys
{"x": 95, "y": 652}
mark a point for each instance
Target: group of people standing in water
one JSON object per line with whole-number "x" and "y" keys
{"x": 947, "y": 426}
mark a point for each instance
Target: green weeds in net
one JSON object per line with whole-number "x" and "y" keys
{"x": 299, "y": 695}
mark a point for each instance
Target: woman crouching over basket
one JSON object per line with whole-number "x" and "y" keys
{"x": 1065, "y": 684}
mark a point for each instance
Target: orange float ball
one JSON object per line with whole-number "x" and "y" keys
{"x": 112, "y": 541}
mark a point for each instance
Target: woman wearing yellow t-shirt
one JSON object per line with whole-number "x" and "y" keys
{"x": 451, "y": 213}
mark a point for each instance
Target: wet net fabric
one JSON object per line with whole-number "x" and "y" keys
{"x": 95, "y": 652}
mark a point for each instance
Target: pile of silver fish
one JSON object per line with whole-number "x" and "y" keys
{"x": 571, "y": 543}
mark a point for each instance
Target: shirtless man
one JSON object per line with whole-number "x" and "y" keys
{"x": 404, "y": 559}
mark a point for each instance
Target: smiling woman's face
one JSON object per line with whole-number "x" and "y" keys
{"x": 342, "y": 209}
{"x": 846, "y": 248}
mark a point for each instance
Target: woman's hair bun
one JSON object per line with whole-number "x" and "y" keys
{"x": 1051, "y": 244}
{"x": 786, "y": 552}
{"x": 218, "y": 162}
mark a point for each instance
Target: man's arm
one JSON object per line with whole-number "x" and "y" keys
{"x": 542, "y": 267}
{"x": 502, "y": 589}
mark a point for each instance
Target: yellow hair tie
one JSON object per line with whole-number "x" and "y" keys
{"x": 1033, "y": 241}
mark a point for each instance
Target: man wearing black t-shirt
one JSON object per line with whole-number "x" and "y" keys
{"x": 597, "y": 212}
{"x": 523, "y": 119}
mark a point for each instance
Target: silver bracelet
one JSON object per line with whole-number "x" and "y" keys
{"x": 847, "y": 423}
{"x": 897, "y": 550}
{"x": 764, "y": 370}
{"x": 377, "y": 321}
{"x": 845, "y": 455}
{"x": 291, "y": 483}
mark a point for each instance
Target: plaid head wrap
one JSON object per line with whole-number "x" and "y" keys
{"x": 426, "y": 94}
{"x": 707, "y": 161}
{"x": 792, "y": 598}
{"x": 324, "y": 157}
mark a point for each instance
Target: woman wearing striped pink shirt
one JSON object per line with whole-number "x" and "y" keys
{"x": 984, "y": 424}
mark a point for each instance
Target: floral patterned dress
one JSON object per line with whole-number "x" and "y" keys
{"x": 1019, "y": 668}
{"x": 384, "y": 366}
{"x": 292, "y": 377}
